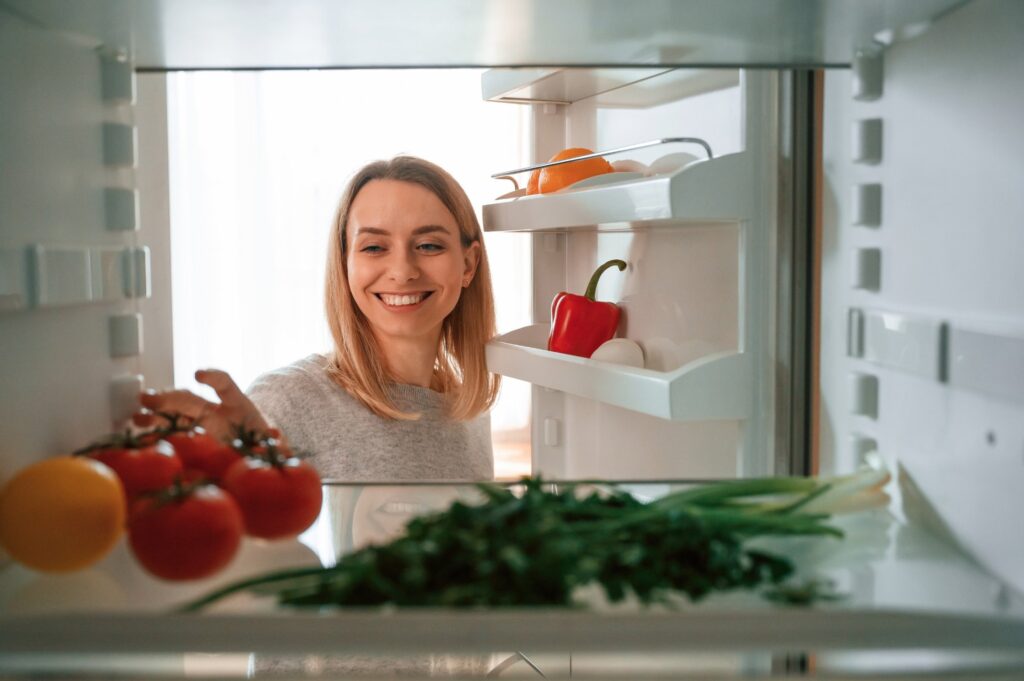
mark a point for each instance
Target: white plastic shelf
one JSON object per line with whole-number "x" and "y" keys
{"x": 715, "y": 190}
{"x": 713, "y": 388}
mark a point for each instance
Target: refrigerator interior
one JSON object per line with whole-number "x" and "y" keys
{"x": 914, "y": 344}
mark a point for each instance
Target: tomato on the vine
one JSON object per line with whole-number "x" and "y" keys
{"x": 278, "y": 493}
{"x": 142, "y": 464}
{"x": 186, "y": 532}
{"x": 203, "y": 453}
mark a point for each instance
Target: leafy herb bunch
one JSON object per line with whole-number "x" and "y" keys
{"x": 534, "y": 546}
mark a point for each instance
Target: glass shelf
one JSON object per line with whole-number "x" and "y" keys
{"x": 904, "y": 588}
{"x": 614, "y": 87}
{"x": 170, "y": 34}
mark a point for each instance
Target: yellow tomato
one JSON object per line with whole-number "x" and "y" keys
{"x": 62, "y": 514}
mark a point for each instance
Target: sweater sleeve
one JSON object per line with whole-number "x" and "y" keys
{"x": 279, "y": 395}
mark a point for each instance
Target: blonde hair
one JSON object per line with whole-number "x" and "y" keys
{"x": 460, "y": 370}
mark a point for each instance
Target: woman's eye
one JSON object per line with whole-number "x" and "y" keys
{"x": 431, "y": 248}
{"x": 372, "y": 248}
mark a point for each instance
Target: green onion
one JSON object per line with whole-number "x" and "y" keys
{"x": 533, "y": 546}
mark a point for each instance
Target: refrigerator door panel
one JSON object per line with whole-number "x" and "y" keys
{"x": 611, "y": 442}
{"x": 698, "y": 295}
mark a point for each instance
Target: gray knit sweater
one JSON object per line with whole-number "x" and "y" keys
{"x": 349, "y": 443}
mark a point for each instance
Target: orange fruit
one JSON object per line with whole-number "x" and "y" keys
{"x": 61, "y": 514}
{"x": 558, "y": 177}
{"x": 533, "y": 186}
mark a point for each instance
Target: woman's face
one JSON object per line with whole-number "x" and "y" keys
{"x": 406, "y": 263}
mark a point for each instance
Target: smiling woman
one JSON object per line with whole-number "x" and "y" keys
{"x": 403, "y": 394}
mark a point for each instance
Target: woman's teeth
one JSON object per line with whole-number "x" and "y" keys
{"x": 401, "y": 300}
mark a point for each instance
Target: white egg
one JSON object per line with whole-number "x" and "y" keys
{"x": 662, "y": 354}
{"x": 630, "y": 166}
{"x": 670, "y": 163}
{"x": 620, "y": 351}
{"x": 603, "y": 179}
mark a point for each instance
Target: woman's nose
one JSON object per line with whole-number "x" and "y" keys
{"x": 402, "y": 266}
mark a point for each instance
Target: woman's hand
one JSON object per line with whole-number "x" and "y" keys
{"x": 221, "y": 420}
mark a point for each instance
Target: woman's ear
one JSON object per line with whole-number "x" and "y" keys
{"x": 470, "y": 261}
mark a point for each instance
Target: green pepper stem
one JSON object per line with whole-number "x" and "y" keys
{"x": 592, "y": 286}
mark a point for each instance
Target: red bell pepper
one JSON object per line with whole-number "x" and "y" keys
{"x": 580, "y": 324}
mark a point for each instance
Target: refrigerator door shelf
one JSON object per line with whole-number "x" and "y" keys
{"x": 713, "y": 388}
{"x": 633, "y": 88}
{"x": 716, "y": 190}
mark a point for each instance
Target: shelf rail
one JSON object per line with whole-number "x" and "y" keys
{"x": 609, "y": 152}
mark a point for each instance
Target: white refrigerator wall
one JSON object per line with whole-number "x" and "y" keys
{"x": 73, "y": 278}
{"x": 931, "y": 371}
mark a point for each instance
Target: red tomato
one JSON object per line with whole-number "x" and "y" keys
{"x": 279, "y": 495}
{"x": 142, "y": 467}
{"x": 203, "y": 455}
{"x": 193, "y": 534}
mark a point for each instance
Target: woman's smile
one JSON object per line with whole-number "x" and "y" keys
{"x": 402, "y": 302}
